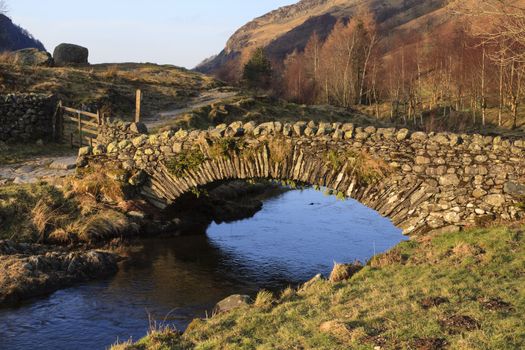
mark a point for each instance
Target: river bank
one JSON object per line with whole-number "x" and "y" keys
{"x": 54, "y": 238}
{"x": 456, "y": 290}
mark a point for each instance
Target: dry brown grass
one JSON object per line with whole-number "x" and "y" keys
{"x": 43, "y": 217}
{"x": 112, "y": 72}
{"x": 95, "y": 184}
{"x": 280, "y": 149}
{"x": 103, "y": 225}
{"x": 7, "y": 58}
{"x": 287, "y": 294}
{"x": 389, "y": 258}
{"x": 343, "y": 272}
{"x": 164, "y": 87}
{"x": 48, "y": 214}
{"x": 264, "y": 299}
{"x": 367, "y": 167}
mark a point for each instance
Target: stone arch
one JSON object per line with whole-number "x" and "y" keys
{"x": 428, "y": 181}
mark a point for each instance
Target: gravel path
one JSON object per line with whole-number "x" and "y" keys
{"x": 39, "y": 169}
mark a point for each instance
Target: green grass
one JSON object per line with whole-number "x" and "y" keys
{"x": 185, "y": 161}
{"x": 465, "y": 290}
{"x": 16, "y": 153}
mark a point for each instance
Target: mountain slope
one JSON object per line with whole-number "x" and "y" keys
{"x": 287, "y": 29}
{"x": 13, "y": 37}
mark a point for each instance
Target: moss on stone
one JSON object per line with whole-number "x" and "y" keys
{"x": 185, "y": 161}
{"x": 226, "y": 147}
{"x": 362, "y": 165}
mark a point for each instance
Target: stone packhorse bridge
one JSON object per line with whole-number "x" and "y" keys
{"x": 422, "y": 182}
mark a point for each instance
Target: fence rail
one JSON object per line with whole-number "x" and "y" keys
{"x": 76, "y": 127}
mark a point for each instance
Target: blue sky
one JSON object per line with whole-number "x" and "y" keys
{"x": 180, "y": 32}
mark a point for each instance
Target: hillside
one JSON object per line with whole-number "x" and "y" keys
{"x": 13, "y": 37}
{"x": 284, "y": 30}
{"x": 110, "y": 87}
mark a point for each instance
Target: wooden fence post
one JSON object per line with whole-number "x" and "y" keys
{"x": 79, "y": 130}
{"x": 57, "y": 136}
{"x": 137, "y": 105}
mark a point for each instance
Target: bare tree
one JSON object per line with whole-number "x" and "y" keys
{"x": 506, "y": 19}
{"x": 3, "y": 7}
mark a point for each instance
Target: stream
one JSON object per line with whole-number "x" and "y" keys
{"x": 173, "y": 280}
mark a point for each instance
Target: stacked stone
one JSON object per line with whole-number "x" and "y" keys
{"x": 26, "y": 117}
{"x": 119, "y": 130}
{"x": 438, "y": 181}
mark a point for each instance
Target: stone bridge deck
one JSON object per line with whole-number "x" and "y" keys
{"x": 422, "y": 182}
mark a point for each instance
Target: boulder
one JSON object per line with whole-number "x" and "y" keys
{"x": 230, "y": 303}
{"x": 32, "y": 57}
{"x": 70, "y": 54}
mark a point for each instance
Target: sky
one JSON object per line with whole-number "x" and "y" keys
{"x": 179, "y": 32}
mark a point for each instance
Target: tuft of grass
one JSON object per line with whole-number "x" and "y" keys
{"x": 165, "y": 338}
{"x": 47, "y": 216}
{"x": 343, "y": 272}
{"x": 102, "y": 226}
{"x": 366, "y": 168}
{"x": 280, "y": 149}
{"x": 227, "y": 146}
{"x": 287, "y": 294}
{"x": 99, "y": 183}
{"x": 479, "y": 273}
{"x": 264, "y": 299}
{"x": 187, "y": 160}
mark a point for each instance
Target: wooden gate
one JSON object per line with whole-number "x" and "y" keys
{"x": 76, "y": 127}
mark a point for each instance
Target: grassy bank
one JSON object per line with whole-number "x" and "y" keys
{"x": 460, "y": 291}
{"x": 84, "y": 210}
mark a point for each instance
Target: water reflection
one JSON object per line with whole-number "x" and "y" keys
{"x": 294, "y": 237}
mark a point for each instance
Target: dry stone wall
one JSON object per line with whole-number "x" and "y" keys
{"x": 428, "y": 182}
{"x": 26, "y": 117}
{"x": 110, "y": 131}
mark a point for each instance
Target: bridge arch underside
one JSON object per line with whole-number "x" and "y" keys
{"x": 390, "y": 178}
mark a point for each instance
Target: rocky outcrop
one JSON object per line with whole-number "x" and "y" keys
{"x": 422, "y": 182}
{"x": 70, "y": 54}
{"x": 26, "y": 117}
{"x": 30, "y": 270}
{"x": 32, "y": 57}
{"x": 231, "y": 303}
